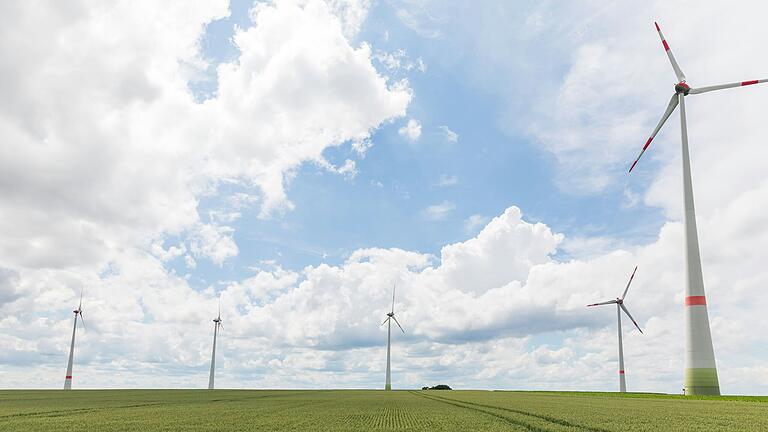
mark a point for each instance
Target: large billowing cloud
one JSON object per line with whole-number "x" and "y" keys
{"x": 104, "y": 146}
{"x": 106, "y": 153}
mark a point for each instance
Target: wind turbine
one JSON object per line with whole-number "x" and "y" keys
{"x": 216, "y": 325}
{"x": 700, "y": 368}
{"x": 388, "y": 322}
{"x": 619, "y": 302}
{"x": 78, "y": 311}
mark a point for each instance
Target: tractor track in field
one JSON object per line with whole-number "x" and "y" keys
{"x": 61, "y": 413}
{"x": 479, "y": 408}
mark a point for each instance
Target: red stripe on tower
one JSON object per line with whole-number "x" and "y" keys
{"x": 695, "y": 301}
{"x": 666, "y": 46}
{"x": 749, "y": 82}
{"x": 68, "y": 377}
{"x": 621, "y": 372}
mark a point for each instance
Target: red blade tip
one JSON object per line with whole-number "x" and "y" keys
{"x": 657, "y": 26}
{"x": 633, "y": 165}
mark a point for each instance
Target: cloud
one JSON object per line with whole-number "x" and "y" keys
{"x": 9, "y": 281}
{"x": 439, "y": 212}
{"x": 446, "y": 180}
{"x": 213, "y": 242}
{"x": 398, "y": 61}
{"x": 151, "y": 151}
{"x": 474, "y": 222}
{"x": 449, "y": 135}
{"x": 106, "y": 156}
{"x": 411, "y": 131}
{"x": 418, "y": 20}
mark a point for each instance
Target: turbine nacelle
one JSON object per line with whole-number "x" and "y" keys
{"x": 683, "y": 88}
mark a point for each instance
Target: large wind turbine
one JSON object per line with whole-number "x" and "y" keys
{"x": 619, "y": 302}
{"x": 388, "y": 322}
{"x": 78, "y": 311}
{"x": 700, "y": 368}
{"x": 216, "y": 325}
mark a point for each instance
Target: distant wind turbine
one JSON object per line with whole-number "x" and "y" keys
{"x": 700, "y": 368}
{"x": 619, "y": 302}
{"x": 78, "y": 311}
{"x": 216, "y": 325}
{"x": 388, "y": 322}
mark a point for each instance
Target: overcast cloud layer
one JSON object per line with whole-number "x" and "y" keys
{"x": 106, "y": 155}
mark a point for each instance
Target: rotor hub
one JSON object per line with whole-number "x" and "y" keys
{"x": 683, "y": 88}
{"x": 619, "y": 301}
{"x": 390, "y": 314}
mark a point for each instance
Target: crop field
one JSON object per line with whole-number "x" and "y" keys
{"x": 355, "y": 410}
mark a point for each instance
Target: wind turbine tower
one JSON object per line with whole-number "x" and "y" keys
{"x": 619, "y": 302}
{"x": 77, "y": 312}
{"x": 388, "y": 322}
{"x": 216, "y": 325}
{"x": 700, "y": 369}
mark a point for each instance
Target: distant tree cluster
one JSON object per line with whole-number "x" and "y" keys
{"x": 437, "y": 387}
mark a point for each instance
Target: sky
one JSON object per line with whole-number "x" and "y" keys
{"x": 298, "y": 158}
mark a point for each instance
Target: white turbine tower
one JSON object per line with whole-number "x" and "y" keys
{"x": 388, "y": 322}
{"x": 619, "y": 302}
{"x": 78, "y": 311}
{"x": 700, "y": 368}
{"x": 216, "y": 325}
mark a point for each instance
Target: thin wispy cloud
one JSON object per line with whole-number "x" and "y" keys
{"x": 438, "y": 212}
{"x": 449, "y": 135}
{"x": 475, "y": 222}
{"x": 446, "y": 180}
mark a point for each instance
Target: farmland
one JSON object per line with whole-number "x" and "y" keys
{"x": 354, "y": 410}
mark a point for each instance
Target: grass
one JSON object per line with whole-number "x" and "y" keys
{"x": 356, "y": 410}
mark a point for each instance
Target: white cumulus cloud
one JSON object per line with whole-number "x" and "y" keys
{"x": 411, "y": 131}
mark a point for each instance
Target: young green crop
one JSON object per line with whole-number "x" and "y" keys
{"x": 359, "y": 410}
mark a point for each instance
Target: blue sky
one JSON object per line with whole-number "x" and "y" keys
{"x": 495, "y": 163}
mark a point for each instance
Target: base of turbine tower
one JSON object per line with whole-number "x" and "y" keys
{"x": 701, "y": 381}
{"x": 388, "y": 387}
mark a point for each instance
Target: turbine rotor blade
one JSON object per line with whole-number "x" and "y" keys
{"x": 678, "y": 72}
{"x": 80, "y": 306}
{"x": 629, "y": 283}
{"x": 624, "y": 308}
{"x": 82, "y": 320}
{"x": 393, "y": 297}
{"x": 398, "y": 324}
{"x": 701, "y": 90}
{"x": 385, "y": 321}
{"x": 603, "y": 303}
{"x": 670, "y": 109}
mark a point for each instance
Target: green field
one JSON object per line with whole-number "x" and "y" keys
{"x": 355, "y": 410}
